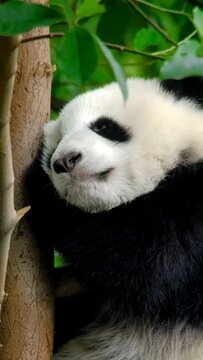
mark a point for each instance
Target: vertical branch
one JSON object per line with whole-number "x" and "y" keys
{"x": 8, "y": 215}
{"x": 26, "y": 329}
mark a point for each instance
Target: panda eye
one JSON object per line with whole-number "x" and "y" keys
{"x": 110, "y": 130}
{"x": 100, "y": 126}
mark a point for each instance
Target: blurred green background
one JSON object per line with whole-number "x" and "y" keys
{"x": 153, "y": 38}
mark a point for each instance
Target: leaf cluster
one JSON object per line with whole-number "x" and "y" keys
{"x": 96, "y": 41}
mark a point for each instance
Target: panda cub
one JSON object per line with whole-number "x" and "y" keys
{"x": 118, "y": 189}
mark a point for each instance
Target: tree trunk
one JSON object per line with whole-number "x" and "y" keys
{"x": 26, "y": 331}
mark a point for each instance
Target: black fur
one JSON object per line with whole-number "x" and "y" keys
{"x": 109, "y": 129}
{"x": 191, "y": 88}
{"x": 144, "y": 260}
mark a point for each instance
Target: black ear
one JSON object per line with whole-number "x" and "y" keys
{"x": 191, "y": 88}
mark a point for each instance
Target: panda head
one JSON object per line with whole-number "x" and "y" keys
{"x": 104, "y": 151}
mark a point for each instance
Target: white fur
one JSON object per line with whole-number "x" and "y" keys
{"x": 134, "y": 343}
{"x": 162, "y": 130}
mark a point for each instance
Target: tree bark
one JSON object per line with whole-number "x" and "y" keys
{"x": 26, "y": 331}
{"x": 8, "y": 217}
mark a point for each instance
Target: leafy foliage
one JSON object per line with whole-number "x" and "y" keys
{"x": 89, "y": 8}
{"x": 117, "y": 70}
{"x": 100, "y": 40}
{"x": 198, "y": 21}
{"x": 66, "y": 9}
{"x": 80, "y": 62}
{"x": 147, "y": 37}
{"x": 17, "y": 17}
{"x": 137, "y": 44}
{"x": 185, "y": 62}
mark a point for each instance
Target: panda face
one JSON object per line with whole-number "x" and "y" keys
{"x": 103, "y": 151}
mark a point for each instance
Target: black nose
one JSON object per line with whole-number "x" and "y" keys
{"x": 66, "y": 163}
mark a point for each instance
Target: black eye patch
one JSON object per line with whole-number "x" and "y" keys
{"x": 110, "y": 130}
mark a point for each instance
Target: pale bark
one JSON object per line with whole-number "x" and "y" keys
{"x": 8, "y": 215}
{"x": 26, "y": 331}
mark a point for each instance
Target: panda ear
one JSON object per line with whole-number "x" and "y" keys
{"x": 52, "y": 134}
{"x": 51, "y": 127}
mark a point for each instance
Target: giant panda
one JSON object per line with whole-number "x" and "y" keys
{"x": 118, "y": 188}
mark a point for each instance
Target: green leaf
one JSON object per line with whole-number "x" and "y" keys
{"x": 147, "y": 37}
{"x": 199, "y": 51}
{"x": 78, "y": 55}
{"x": 117, "y": 70}
{"x": 66, "y": 9}
{"x": 90, "y": 8}
{"x": 184, "y": 62}
{"x": 59, "y": 260}
{"x": 198, "y": 20}
{"x": 17, "y": 17}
